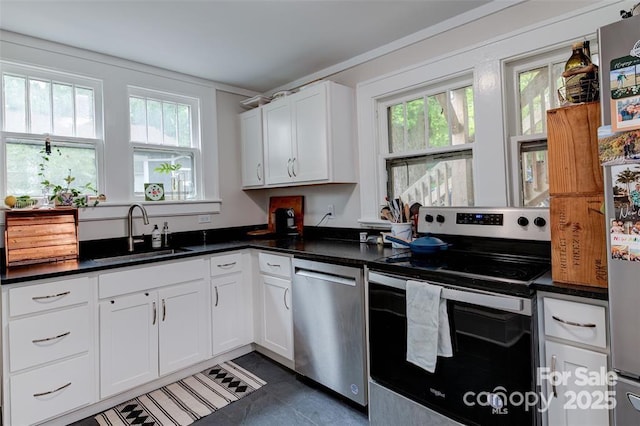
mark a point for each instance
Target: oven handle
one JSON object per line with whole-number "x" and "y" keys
{"x": 488, "y": 300}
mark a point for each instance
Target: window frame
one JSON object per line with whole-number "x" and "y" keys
{"x": 195, "y": 150}
{"x": 516, "y": 139}
{"x": 382, "y": 106}
{"x": 33, "y": 72}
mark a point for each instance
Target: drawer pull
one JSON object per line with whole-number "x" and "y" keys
{"x": 273, "y": 265}
{"x": 227, "y": 265}
{"x": 576, "y": 324}
{"x": 52, "y": 391}
{"x": 47, "y": 339}
{"x": 52, "y": 296}
{"x": 285, "y": 298}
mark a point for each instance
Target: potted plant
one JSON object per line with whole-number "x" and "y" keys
{"x": 63, "y": 195}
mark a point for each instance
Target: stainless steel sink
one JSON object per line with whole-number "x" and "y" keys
{"x": 140, "y": 255}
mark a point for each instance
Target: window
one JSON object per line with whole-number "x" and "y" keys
{"x": 38, "y": 104}
{"x": 430, "y": 136}
{"x": 164, "y": 130}
{"x": 537, "y": 81}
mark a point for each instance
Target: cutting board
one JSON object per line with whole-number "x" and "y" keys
{"x": 295, "y": 202}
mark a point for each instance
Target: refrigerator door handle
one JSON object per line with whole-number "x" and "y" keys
{"x": 576, "y": 324}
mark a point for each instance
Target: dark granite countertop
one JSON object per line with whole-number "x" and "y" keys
{"x": 347, "y": 252}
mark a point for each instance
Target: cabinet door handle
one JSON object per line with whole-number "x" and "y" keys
{"x": 155, "y": 314}
{"x": 164, "y": 310}
{"x": 51, "y": 296}
{"x": 52, "y": 391}
{"x": 576, "y": 324}
{"x": 226, "y": 265}
{"x": 216, "y": 289}
{"x": 258, "y": 174}
{"x": 47, "y": 339}
{"x": 288, "y": 167}
{"x": 554, "y": 390}
{"x": 293, "y": 167}
{"x": 285, "y": 298}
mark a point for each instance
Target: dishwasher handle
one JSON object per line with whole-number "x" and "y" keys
{"x": 326, "y": 277}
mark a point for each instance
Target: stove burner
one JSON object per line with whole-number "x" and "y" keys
{"x": 489, "y": 266}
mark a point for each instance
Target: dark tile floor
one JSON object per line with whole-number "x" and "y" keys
{"x": 284, "y": 400}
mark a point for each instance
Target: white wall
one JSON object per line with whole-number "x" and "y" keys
{"x": 482, "y": 46}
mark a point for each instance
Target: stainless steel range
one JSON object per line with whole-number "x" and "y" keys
{"x": 491, "y": 258}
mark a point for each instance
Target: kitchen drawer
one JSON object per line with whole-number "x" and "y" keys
{"x": 52, "y": 390}
{"x": 148, "y": 277}
{"x": 576, "y": 322}
{"x": 274, "y": 264}
{"x": 48, "y": 337}
{"x": 50, "y": 295}
{"x": 226, "y": 264}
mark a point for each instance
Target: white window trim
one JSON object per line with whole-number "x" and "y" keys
{"x": 195, "y": 149}
{"x": 515, "y": 143}
{"x": 485, "y": 59}
{"x": 81, "y": 81}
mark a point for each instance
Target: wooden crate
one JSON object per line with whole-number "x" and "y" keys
{"x": 38, "y": 236}
{"x": 578, "y": 240}
{"x": 572, "y": 142}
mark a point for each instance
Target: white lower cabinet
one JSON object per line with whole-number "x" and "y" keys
{"x": 277, "y": 332}
{"x": 128, "y": 342}
{"x": 275, "y": 317}
{"x": 49, "y": 349}
{"x": 574, "y": 402}
{"x": 574, "y": 359}
{"x": 152, "y": 333}
{"x": 231, "y": 304}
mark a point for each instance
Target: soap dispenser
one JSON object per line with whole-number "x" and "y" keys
{"x": 156, "y": 239}
{"x": 166, "y": 235}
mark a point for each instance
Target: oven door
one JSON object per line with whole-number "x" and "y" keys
{"x": 492, "y": 364}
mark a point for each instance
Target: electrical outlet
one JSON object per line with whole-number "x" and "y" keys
{"x": 204, "y": 218}
{"x": 331, "y": 210}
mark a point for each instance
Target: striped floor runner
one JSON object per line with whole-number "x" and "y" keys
{"x": 187, "y": 400}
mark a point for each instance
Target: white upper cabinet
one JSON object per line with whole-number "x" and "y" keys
{"x": 252, "y": 153}
{"x": 309, "y": 137}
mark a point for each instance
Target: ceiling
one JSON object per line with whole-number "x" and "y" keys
{"x": 256, "y": 45}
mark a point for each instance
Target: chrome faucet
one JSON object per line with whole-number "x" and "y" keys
{"x": 145, "y": 218}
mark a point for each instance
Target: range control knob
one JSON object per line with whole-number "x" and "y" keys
{"x": 523, "y": 221}
{"x": 428, "y": 218}
{"x": 539, "y": 221}
{"x": 440, "y": 218}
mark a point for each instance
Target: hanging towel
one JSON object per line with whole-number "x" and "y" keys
{"x": 428, "y": 333}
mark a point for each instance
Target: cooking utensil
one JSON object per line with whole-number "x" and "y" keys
{"x": 422, "y": 245}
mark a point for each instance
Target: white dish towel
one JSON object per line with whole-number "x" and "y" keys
{"x": 428, "y": 333}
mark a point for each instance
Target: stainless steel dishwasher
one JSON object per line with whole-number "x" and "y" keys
{"x": 328, "y": 327}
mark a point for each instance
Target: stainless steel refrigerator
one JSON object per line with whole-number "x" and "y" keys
{"x": 619, "y": 140}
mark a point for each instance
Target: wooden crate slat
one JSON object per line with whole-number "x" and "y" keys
{"x": 45, "y": 240}
{"x": 40, "y": 230}
{"x": 50, "y": 252}
{"x": 50, "y": 220}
